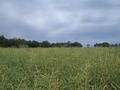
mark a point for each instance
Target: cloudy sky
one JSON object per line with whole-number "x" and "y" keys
{"x": 86, "y": 21}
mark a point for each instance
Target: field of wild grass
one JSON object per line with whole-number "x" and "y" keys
{"x": 60, "y": 69}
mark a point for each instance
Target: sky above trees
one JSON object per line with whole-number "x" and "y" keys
{"x": 86, "y": 21}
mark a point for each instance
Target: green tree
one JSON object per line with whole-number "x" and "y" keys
{"x": 76, "y": 44}
{"x": 45, "y": 44}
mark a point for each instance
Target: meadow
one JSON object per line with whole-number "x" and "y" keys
{"x": 60, "y": 69}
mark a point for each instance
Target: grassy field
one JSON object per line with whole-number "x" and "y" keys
{"x": 60, "y": 69}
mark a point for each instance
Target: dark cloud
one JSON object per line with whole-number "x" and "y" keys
{"x": 87, "y": 21}
{"x": 103, "y": 4}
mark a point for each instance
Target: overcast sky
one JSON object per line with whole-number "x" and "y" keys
{"x": 86, "y": 21}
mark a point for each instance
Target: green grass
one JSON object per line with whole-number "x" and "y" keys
{"x": 60, "y": 69}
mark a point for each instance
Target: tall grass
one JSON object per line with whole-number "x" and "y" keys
{"x": 60, "y": 69}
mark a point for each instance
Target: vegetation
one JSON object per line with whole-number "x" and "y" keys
{"x": 106, "y": 44}
{"x": 19, "y": 43}
{"x": 60, "y": 69}
{"x": 4, "y": 42}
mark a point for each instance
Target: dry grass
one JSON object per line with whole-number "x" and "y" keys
{"x": 60, "y": 69}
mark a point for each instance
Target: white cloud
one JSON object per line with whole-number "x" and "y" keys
{"x": 36, "y": 20}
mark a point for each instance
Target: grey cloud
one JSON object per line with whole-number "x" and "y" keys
{"x": 61, "y": 20}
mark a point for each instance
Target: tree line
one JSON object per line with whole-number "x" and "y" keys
{"x": 14, "y": 42}
{"x": 19, "y": 43}
{"x": 106, "y": 44}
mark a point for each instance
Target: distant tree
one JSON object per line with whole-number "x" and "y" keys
{"x": 76, "y": 44}
{"x": 88, "y": 45}
{"x": 104, "y": 44}
{"x": 45, "y": 44}
{"x": 116, "y": 45}
{"x": 119, "y": 44}
{"x": 68, "y": 44}
{"x": 58, "y": 44}
{"x": 2, "y": 38}
{"x": 3, "y": 41}
{"x": 33, "y": 44}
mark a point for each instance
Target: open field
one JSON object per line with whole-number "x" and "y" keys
{"x": 60, "y": 69}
